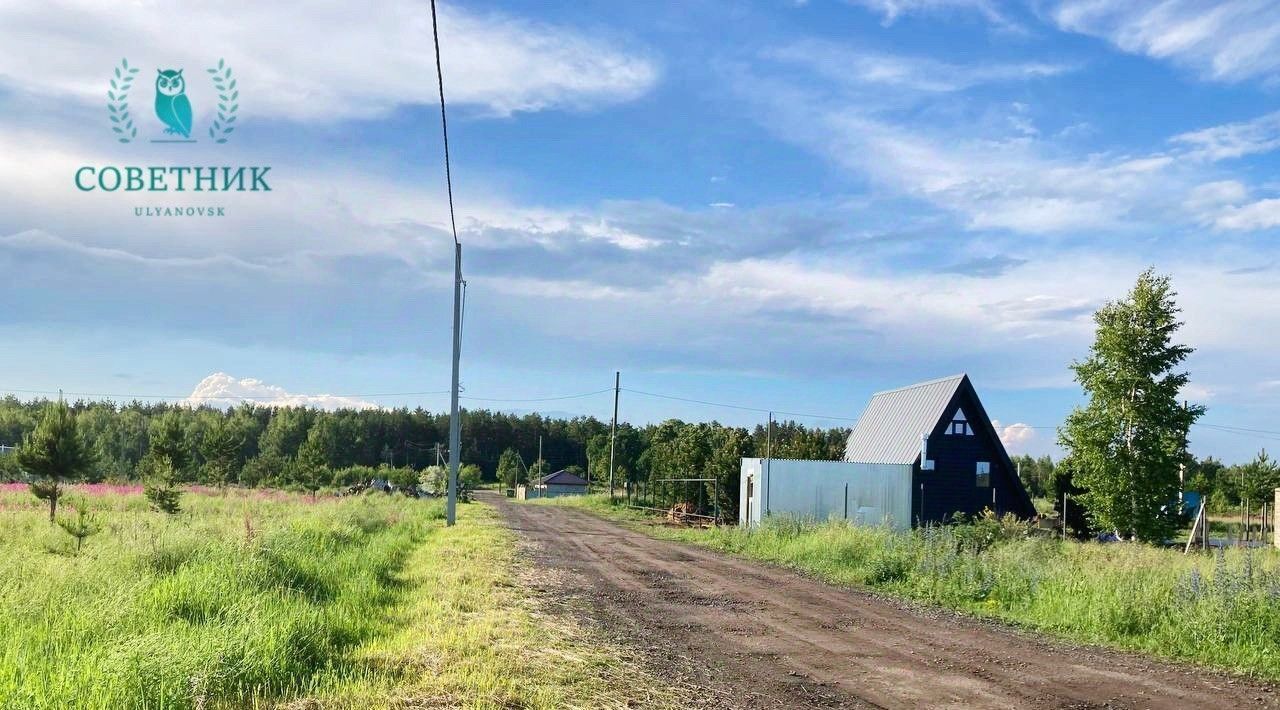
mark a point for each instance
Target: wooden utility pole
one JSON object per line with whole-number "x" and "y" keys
{"x": 613, "y": 428}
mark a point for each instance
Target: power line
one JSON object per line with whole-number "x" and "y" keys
{"x": 227, "y": 396}
{"x": 1252, "y": 434}
{"x": 541, "y": 399}
{"x": 738, "y": 406}
{"x": 444, "y": 122}
{"x": 291, "y": 396}
{"x": 1265, "y": 434}
{"x": 1238, "y": 428}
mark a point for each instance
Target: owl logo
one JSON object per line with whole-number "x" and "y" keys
{"x": 172, "y": 106}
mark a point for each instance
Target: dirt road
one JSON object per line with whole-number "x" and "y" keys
{"x": 746, "y": 635}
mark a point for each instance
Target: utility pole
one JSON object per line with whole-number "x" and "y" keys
{"x": 768, "y": 460}
{"x": 1182, "y": 467}
{"x": 613, "y": 428}
{"x": 539, "y": 463}
{"x": 1064, "y": 515}
{"x": 455, "y": 421}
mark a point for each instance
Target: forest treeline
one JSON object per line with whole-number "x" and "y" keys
{"x": 304, "y": 448}
{"x": 252, "y": 445}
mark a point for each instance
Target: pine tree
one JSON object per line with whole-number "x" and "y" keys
{"x": 1126, "y": 445}
{"x": 310, "y": 468}
{"x": 166, "y": 463}
{"x": 56, "y": 453}
{"x": 220, "y": 447}
{"x": 1257, "y": 481}
{"x": 84, "y": 525}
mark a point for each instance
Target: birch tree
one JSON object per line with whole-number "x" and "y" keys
{"x": 1129, "y": 440}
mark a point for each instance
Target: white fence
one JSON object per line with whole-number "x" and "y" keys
{"x": 865, "y": 493}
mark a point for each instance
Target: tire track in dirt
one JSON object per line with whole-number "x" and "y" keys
{"x": 749, "y": 635}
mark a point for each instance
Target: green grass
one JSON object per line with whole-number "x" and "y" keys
{"x": 478, "y": 640}
{"x": 1219, "y": 610}
{"x": 256, "y": 601}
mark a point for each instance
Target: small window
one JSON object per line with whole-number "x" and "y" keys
{"x": 984, "y": 474}
{"x": 960, "y": 424}
{"x": 960, "y": 428}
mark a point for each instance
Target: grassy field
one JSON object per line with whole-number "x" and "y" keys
{"x": 1220, "y": 610}
{"x": 261, "y": 599}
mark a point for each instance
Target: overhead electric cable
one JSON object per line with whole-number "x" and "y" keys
{"x": 738, "y": 406}
{"x": 444, "y": 121}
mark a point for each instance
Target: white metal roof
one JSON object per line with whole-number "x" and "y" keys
{"x": 890, "y": 427}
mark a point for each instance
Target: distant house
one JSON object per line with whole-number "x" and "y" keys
{"x": 560, "y": 483}
{"x": 918, "y": 454}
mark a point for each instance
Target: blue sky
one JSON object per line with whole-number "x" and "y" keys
{"x": 782, "y": 205}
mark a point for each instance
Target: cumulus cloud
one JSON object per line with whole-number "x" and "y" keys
{"x": 223, "y": 390}
{"x": 1015, "y": 437}
{"x": 306, "y": 63}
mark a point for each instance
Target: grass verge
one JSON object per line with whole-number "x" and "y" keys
{"x": 255, "y": 599}
{"x": 1221, "y": 611}
{"x": 476, "y": 639}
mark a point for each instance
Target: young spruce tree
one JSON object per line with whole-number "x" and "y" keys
{"x": 1126, "y": 445}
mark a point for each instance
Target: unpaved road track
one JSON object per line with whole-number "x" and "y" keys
{"x": 740, "y": 634}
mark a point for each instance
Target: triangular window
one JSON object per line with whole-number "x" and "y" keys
{"x": 960, "y": 424}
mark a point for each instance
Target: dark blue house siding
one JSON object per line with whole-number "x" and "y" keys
{"x": 952, "y": 486}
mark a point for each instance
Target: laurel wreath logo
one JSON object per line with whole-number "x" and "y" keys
{"x": 118, "y": 102}
{"x": 228, "y": 97}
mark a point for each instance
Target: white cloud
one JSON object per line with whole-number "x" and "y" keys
{"x": 300, "y": 61}
{"x": 1227, "y": 205}
{"x": 1262, "y": 214}
{"x": 1226, "y": 41}
{"x": 1233, "y": 140}
{"x": 1197, "y": 393}
{"x": 1008, "y": 183}
{"x": 223, "y": 390}
{"x": 995, "y": 170}
{"x": 891, "y": 10}
{"x": 1015, "y": 437}
{"x": 846, "y": 65}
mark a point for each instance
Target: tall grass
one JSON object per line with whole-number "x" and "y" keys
{"x": 1221, "y": 610}
{"x": 238, "y": 601}
{"x": 269, "y": 599}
